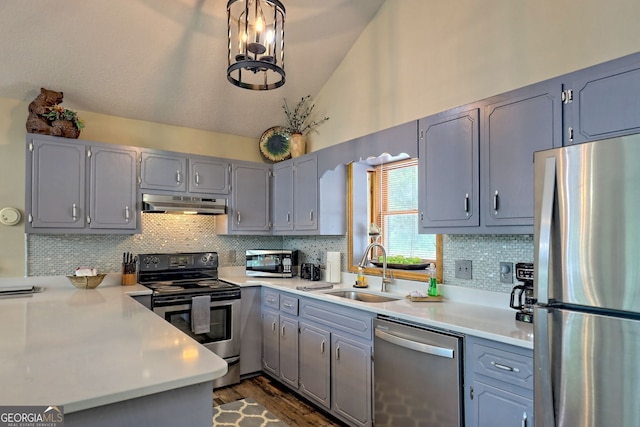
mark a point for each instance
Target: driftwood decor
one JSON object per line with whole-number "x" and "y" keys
{"x": 47, "y": 117}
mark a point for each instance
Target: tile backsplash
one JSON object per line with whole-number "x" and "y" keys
{"x": 51, "y": 255}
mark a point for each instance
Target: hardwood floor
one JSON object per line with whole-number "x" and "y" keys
{"x": 276, "y": 398}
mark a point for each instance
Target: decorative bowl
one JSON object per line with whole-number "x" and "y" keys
{"x": 86, "y": 282}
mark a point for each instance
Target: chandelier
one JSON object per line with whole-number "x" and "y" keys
{"x": 256, "y": 43}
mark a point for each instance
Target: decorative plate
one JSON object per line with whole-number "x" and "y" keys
{"x": 275, "y": 145}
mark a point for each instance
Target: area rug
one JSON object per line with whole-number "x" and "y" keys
{"x": 244, "y": 413}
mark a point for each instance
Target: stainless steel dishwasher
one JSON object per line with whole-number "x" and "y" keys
{"x": 417, "y": 375}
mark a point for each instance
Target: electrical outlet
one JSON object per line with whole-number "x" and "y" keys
{"x": 506, "y": 272}
{"x": 232, "y": 255}
{"x": 463, "y": 269}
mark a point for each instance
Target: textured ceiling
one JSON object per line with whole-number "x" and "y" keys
{"x": 165, "y": 60}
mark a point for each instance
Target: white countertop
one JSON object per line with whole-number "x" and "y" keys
{"x": 87, "y": 348}
{"x": 486, "y": 319}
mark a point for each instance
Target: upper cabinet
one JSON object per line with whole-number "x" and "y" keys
{"x": 80, "y": 187}
{"x": 178, "y": 173}
{"x": 305, "y": 203}
{"x": 249, "y": 207}
{"x": 448, "y": 169}
{"x": 514, "y": 126}
{"x": 603, "y": 101}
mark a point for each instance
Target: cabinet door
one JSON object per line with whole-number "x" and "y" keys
{"x": 448, "y": 170}
{"x": 57, "y": 185}
{"x": 351, "y": 380}
{"x": 250, "y": 198}
{"x": 315, "y": 375}
{"x": 250, "y": 331}
{"x": 270, "y": 342}
{"x": 305, "y": 193}
{"x": 283, "y": 196}
{"x": 112, "y": 196}
{"x": 209, "y": 176}
{"x": 605, "y": 101}
{"x": 514, "y": 127}
{"x": 495, "y": 407}
{"x": 163, "y": 172}
{"x": 289, "y": 350}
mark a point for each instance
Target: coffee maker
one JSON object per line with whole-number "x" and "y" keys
{"x": 522, "y": 295}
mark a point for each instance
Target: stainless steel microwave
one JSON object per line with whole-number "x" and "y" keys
{"x": 272, "y": 263}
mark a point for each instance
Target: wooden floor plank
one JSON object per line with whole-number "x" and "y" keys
{"x": 291, "y": 409}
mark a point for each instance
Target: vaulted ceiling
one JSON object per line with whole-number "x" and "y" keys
{"x": 165, "y": 60}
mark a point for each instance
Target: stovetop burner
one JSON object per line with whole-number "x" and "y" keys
{"x": 188, "y": 274}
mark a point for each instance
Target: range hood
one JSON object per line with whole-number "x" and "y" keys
{"x": 183, "y": 205}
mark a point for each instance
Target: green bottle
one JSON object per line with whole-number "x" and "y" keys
{"x": 433, "y": 282}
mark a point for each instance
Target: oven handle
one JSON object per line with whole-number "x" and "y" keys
{"x": 168, "y": 306}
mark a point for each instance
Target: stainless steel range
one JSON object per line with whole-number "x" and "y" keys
{"x": 188, "y": 294}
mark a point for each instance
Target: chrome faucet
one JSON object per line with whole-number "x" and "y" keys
{"x": 363, "y": 263}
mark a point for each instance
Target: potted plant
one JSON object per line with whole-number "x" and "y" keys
{"x": 300, "y": 123}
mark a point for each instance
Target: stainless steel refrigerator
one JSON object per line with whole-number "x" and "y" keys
{"x": 587, "y": 284}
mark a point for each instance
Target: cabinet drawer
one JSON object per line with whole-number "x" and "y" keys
{"x": 507, "y": 366}
{"x": 355, "y": 322}
{"x": 289, "y": 304}
{"x": 271, "y": 298}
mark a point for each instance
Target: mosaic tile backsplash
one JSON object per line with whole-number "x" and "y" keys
{"x": 52, "y": 255}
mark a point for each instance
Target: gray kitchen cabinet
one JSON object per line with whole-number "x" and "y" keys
{"x": 249, "y": 208}
{"x": 305, "y": 203}
{"x": 250, "y": 331}
{"x": 282, "y": 196}
{"x": 514, "y": 126}
{"x": 80, "y": 187}
{"x": 178, "y": 173}
{"x": 351, "y": 382}
{"x": 295, "y": 194}
{"x": 603, "y": 101}
{"x": 280, "y": 336}
{"x": 163, "y": 171}
{"x": 448, "y": 176}
{"x": 113, "y": 192}
{"x": 55, "y": 184}
{"x": 209, "y": 176}
{"x": 498, "y": 384}
{"x": 315, "y": 364}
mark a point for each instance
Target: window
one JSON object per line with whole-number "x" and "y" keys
{"x": 394, "y": 209}
{"x": 387, "y": 195}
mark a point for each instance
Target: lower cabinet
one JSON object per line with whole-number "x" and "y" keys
{"x": 498, "y": 384}
{"x": 328, "y": 358}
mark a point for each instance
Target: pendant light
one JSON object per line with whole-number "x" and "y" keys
{"x": 256, "y": 43}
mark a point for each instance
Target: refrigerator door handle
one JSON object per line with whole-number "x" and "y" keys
{"x": 544, "y": 245}
{"x": 543, "y": 385}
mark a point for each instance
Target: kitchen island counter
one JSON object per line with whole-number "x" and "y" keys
{"x": 466, "y": 311}
{"x": 89, "y": 348}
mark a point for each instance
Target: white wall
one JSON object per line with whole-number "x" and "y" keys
{"x": 420, "y": 57}
{"x": 103, "y": 128}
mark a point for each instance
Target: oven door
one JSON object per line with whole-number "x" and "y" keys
{"x": 223, "y": 338}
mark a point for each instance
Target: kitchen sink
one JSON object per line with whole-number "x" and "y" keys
{"x": 362, "y": 296}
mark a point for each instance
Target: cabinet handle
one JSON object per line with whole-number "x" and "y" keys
{"x": 338, "y": 353}
{"x": 178, "y": 177}
{"x": 271, "y": 299}
{"x": 311, "y": 215}
{"x": 288, "y": 217}
{"x": 283, "y": 330}
{"x": 524, "y": 419}
{"x": 495, "y": 203}
{"x": 504, "y": 367}
{"x": 197, "y": 178}
{"x": 74, "y": 212}
{"x": 238, "y": 218}
{"x": 126, "y": 213}
{"x": 421, "y": 216}
{"x": 273, "y": 327}
{"x": 466, "y": 203}
{"x": 288, "y": 305}
{"x": 322, "y": 347}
